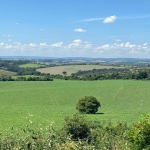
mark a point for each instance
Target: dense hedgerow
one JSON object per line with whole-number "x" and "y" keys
{"x": 99, "y": 136}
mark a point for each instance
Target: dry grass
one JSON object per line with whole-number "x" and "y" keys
{"x": 71, "y": 69}
{"x": 8, "y": 73}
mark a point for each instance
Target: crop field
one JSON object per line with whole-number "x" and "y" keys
{"x": 31, "y": 65}
{"x": 53, "y": 101}
{"x": 71, "y": 68}
{"x": 8, "y": 73}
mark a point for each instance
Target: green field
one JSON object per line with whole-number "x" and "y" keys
{"x": 52, "y": 101}
{"x": 31, "y": 65}
{"x": 72, "y": 68}
{"x": 8, "y": 73}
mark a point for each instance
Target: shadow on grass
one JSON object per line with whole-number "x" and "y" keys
{"x": 100, "y": 113}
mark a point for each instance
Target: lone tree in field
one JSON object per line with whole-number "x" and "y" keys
{"x": 64, "y": 72}
{"x": 88, "y": 105}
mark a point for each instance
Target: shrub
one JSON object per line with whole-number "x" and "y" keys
{"x": 139, "y": 133}
{"x": 77, "y": 126}
{"x": 88, "y": 105}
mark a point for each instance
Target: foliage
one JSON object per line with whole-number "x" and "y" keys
{"x": 142, "y": 75}
{"x": 100, "y": 135}
{"x": 77, "y": 126}
{"x": 110, "y": 136}
{"x": 88, "y": 105}
{"x": 139, "y": 134}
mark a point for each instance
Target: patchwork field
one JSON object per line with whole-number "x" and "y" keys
{"x": 52, "y": 101}
{"x": 8, "y": 73}
{"x": 71, "y": 68}
{"x": 31, "y": 65}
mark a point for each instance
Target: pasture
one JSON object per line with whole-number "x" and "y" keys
{"x": 52, "y": 101}
{"x": 72, "y": 69}
{"x": 31, "y": 65}
{"x": 8, "y": 73}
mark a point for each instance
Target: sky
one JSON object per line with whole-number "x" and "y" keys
{"x": 75, "y": 28}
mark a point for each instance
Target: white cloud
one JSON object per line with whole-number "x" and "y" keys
{"x": 32, "y": 45}
{"x": 91, "y": 19}
{"x": 77, "y": 41}
{"x": 57, "y": 45}
{"x": 79, "y": 30}
{"x": 110, "y": 19}
{"x": 113, "y": 18}
{"x": 7, "y": 35}
{"x": 1, "y": 44}
{"x": 76, "y": 48}
{"x": 43, "y": 44}
{"x": 145, "y": 44}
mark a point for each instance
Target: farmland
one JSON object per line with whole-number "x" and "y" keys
{"x": 71, "y": 68}
{"x": 52, "y": 101}
{"x": 8, "y": 73}
{"x": 31, "y": 65}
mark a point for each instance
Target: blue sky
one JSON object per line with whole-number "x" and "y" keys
{"x": 75, "y": 28}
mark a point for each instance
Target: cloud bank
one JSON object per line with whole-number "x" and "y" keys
{"x": 76, "y": 48}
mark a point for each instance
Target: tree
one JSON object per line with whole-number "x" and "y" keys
{"x": 142, "y": 75}
{"x": 88, "y": 105}
{"x": 64, "y": 72}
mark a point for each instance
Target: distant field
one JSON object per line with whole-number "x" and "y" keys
{"x": 31, "y": 65}
{"x": 8, "y": 73}
{"x": 52, "y": 101}
{"x": 71, "y": 68}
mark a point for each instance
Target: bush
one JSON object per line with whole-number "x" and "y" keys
{"x": 139, "y": 134}
{"x": 77, "y": 126}
{"x": 88, "y": 105}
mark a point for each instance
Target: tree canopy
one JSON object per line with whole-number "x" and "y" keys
{"x": 88, "y": 105}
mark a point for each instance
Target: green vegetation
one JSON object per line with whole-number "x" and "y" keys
{"x": 139, "y": 134}
{"x": 79, "y": 133}
{"x": 122, "y": 101}
{"x": 77, "y": 126}
{"x": 52, "y": 101}
{"x": 31, "y": 65}
{"x": 88, "y": 105}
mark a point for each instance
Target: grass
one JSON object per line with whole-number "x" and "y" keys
{"x": 71, "y": 68}
{"x": 52, "y": 101}
{"x": 31, "y": 65}
{"x": 8, "y": 73}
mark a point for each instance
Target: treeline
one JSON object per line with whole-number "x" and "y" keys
{"x": 107, "y": 74}
{"x": 80, "y": 134}
{"x": 45, "y": 77}
{"x": 22, "y": 73}
{"x": 13, "y": 65}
